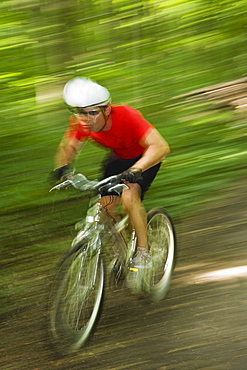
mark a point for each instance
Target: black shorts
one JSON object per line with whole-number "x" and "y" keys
{"x": 113, "y": 165}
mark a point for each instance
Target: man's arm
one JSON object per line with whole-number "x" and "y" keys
{"x": 66, "y": 155}
{"x": 67, "y": 151}
{"x": 157, "y": 150}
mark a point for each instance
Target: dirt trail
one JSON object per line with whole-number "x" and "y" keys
{"x": 202, "y": 324}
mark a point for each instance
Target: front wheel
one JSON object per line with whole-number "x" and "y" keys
{"x": 162, "y": 246}
{"x": 76, "y": 299}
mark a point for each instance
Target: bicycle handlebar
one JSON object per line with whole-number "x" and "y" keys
{"x": 80, "y": 182}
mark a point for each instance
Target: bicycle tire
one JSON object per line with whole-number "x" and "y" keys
{"x": 162, "y": 247}
{"x": 76, "y": 299}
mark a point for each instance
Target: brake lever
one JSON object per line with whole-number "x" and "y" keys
{"x": 103, "y": 182}
{"x": 62, "y": 185}
{"x": 118, "y": 188}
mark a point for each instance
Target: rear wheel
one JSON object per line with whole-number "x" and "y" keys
{"x": 76, "y": 299}
{"x": 162, "y": 247}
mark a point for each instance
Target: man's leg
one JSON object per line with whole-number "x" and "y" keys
{"x": 132, "y": 197}
{"x": 132, "y": 204}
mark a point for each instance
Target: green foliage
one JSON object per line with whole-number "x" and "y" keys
{"x": 145, "y": 52}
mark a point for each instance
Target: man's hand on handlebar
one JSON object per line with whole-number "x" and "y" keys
{"x": 132, "y": 175}
{"x": 60, "y": 174}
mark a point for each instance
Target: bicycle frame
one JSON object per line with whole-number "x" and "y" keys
{"x": 96, "y": 225}
{"x": 90, "y": 226}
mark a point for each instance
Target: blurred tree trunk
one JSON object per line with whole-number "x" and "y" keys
{"x": 53, "y": 23}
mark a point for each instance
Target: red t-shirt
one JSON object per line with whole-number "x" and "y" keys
{"x": 125, "y": 137}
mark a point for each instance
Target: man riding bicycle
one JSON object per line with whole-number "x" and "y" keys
{"x": 137, "y": 150}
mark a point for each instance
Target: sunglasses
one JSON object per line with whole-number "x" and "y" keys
{"x": 78, "y": 110}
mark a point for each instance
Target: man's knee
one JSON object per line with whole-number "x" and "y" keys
{"x": 131, "y": 196}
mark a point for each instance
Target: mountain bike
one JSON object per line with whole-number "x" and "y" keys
{"x": 105, "y": 248}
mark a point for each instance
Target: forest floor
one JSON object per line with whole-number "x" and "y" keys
{"x": 202, "y": 323}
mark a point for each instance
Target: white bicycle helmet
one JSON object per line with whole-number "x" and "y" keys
{"x": 83, "y": 92}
